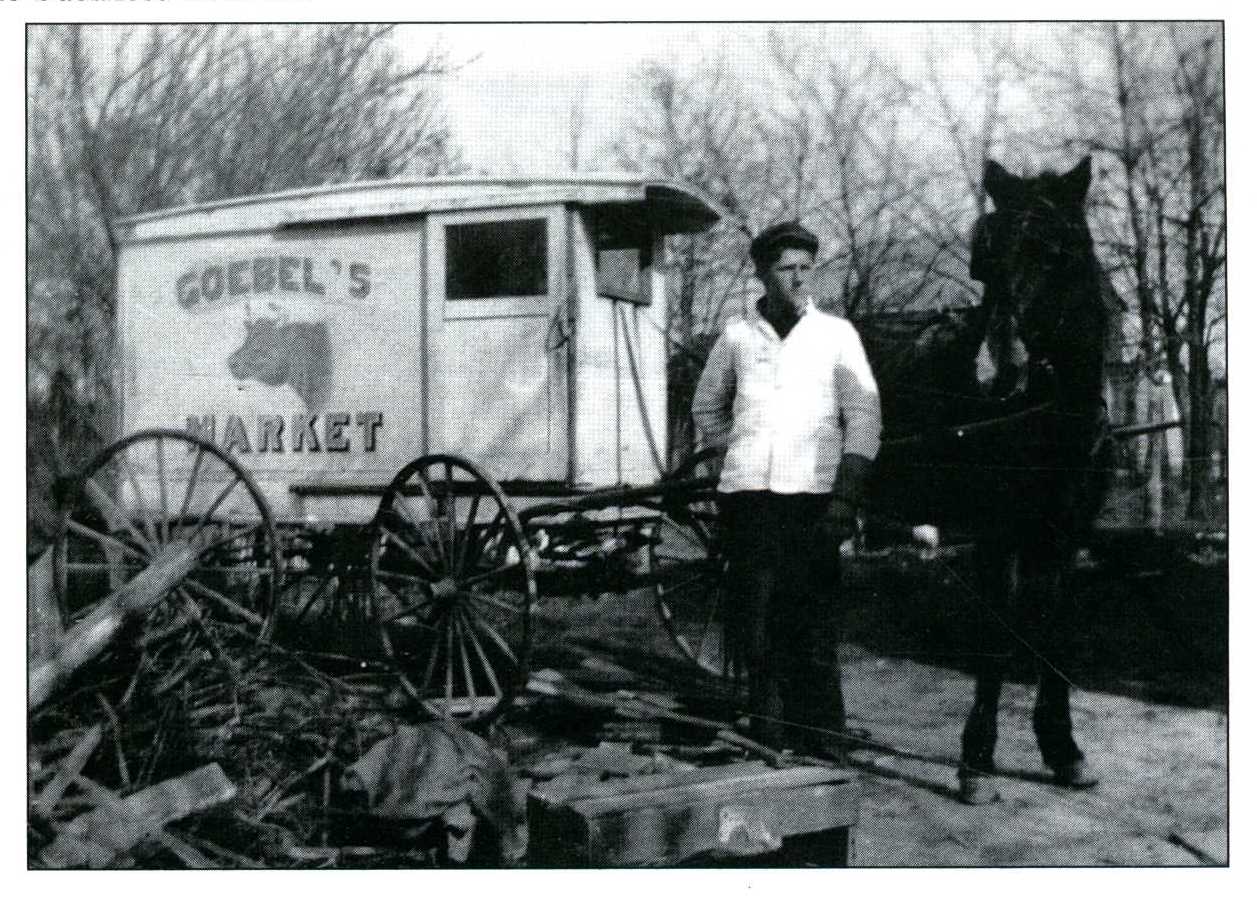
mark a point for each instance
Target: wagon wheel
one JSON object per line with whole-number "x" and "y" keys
{"x": 688, "y": 571}
{"x": 137, "y": 498}
{"x": 452, "y": 584}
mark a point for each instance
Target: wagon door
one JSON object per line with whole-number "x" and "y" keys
{"x": 495, "y": 351}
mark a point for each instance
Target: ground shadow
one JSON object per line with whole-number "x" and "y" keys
{"x": 1151, "y": 613}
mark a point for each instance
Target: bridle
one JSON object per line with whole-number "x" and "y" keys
{"x": 1058, "y": 257}
{"x": 1042, "y": 378}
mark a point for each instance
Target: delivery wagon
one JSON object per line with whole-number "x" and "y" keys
{"x": 416, "y": 398}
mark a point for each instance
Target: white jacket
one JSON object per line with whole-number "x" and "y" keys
{"x": 787, "y": 409}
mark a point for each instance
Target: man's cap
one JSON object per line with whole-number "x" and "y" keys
{"x": 776, "y": 238}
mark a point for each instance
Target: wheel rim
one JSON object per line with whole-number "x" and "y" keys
{"x": 689, "y": 587}
{"x": 453, "y": 584}
{"x": 688, "y": 573}
{"x": 146, "y": 492}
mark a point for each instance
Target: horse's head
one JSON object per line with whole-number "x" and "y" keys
{"x": 1034, "y": 254}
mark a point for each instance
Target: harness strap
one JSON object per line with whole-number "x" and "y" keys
{"x": 960, "y": 431}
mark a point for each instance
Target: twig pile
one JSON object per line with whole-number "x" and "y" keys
{"x": 274, "y": 733}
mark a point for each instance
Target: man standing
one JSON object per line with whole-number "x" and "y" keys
{"x": 788, "y": 391}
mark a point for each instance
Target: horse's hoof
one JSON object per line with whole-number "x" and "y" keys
{"x": 1075, "y": 775}
{"x": 977, "y": 789}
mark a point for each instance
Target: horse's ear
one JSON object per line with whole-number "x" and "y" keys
{"x": 1077, "y": 180}
{"x": 997, "y": 182}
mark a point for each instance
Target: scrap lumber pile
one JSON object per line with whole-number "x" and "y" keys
{"x": 183, "y": 754}
{"x": 180, "y": 755}
{"x": 265, "y": 763}
{"x": 270, "y": 762}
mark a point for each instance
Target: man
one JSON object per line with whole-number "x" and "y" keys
{"x": 789, "y": 392}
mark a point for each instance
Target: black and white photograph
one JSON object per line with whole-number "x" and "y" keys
{"x": 566, "y": 445}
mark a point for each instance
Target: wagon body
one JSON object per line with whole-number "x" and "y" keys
{"x": 326, "y": 337}
{"x": 337, "y": 397}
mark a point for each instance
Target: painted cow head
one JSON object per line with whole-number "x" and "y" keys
{"x": 278, "y": 352}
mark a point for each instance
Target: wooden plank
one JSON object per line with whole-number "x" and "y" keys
{"x": 553, "y": 684}
{"x": 92, "y": 634}
{"x": 69, "y": 770}
{"x": 667, "y": 818}
{"x": 43, "y": 616}
{"x": 119, "y": 827}
{"x": 698, "y": 791}
{"x": 647, "y": 783}
{"x": 671, "y": 833}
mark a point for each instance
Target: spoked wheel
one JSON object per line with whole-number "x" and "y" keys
{"x": 688, "y": 572}
{"x": 137, "y": 499}
{"x": 453, "y": 583}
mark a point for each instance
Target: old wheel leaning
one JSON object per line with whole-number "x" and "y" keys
{"x": 687, "y": 571}
{"x": 453, "y": 583}
{"x": 138, "y": 499}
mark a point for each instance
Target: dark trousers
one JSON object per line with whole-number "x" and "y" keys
{"x": 783, "y": 620}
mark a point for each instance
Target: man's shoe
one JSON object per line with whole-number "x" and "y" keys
{"x": 976, "y": 789}
{"x": 1078, "y": 774}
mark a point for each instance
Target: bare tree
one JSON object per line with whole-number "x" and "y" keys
{"x": 894, "y": 174}
{"x": 1155, "y": 120}
{"x": 1189, "y": 318}
{"x": 888, "y": 171}
{"x": 973, "y": 128}
{"x": 699, "y": 127}
{"x": 820, "y": 136}
{"x": 137, "y": 118}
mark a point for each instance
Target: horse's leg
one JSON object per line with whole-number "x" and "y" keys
{"x": 998, "y": 577}
{"x": 1053, "y": 726}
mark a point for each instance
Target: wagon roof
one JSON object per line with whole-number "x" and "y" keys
{"x": 675, "y": 207}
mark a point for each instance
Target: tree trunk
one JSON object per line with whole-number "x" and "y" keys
{"x": 1199, "y": 449}
{"x": 681, "y": 388}
{"x": 1154, "y": 462}
{"x": 1196, "y": 292}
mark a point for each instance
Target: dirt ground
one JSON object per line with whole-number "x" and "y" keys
{"x": 1150, "y": 710}
{"x": 1162, "y": 799}
{"x": 1163, "y": 796}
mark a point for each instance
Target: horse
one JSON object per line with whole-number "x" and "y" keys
{"x": 1021, "y": 465}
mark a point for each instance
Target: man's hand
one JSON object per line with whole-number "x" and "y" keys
{"x": 852, "y": 479}
{"x": 834, "y": 526}
{"x": 838, "y": 524}
{"x": 839, "y": 521}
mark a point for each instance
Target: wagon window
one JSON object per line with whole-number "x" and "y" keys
{"x": 620, "y": 274}
{"x": 495, "y": 259}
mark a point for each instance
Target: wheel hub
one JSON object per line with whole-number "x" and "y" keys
{"x": 445, "y": 590}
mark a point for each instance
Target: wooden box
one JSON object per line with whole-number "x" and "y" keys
{"x": 745, "y": 812}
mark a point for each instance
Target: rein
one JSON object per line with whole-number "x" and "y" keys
{"x": 960, "y": 431}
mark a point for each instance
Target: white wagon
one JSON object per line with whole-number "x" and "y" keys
{"x": 310, "y": 375}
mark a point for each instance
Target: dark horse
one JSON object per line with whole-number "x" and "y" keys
{"x": 1021, "y": 465}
